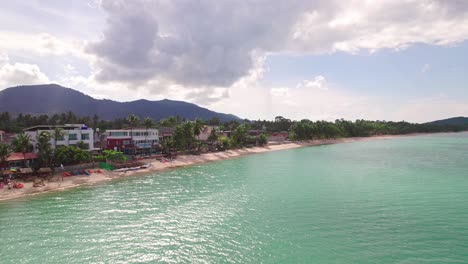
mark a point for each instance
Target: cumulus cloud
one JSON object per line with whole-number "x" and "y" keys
{"x": 4, "y": 58}
{"x": 425, "y": 68}
{"x": 280, "y": 92}
{"x": 319, "y": 82}
{"x": 207, "y": 43}
{"x": 430, "y": 108}
{"x": 42, "y": 44}
{"x": 296, "y": 102}
{"x": 21, "y": 73}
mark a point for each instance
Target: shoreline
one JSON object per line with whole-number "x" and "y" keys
{"x": 180, "y": 161}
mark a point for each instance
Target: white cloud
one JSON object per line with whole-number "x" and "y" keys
{"x": 280, "y": 92}
{"x": 4, "y": 58}
{"x": 425, "y": 68}
{"x": 319, "y": 82}
{"x": 216, "y": 43}
{"x": 213, "y": 52}
{"x": 430, "y": 108}
{"x": 21, "y": 73}
{"x": 42, "y": 44}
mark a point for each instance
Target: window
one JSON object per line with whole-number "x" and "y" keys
{"x": 84, "y": 136}
{"x": 118, "y": 134}
{"x": 73, "y": 137}
{"x": 126, "y": 142}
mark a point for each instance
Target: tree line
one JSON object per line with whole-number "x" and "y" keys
{"x": 224, "y": 135}
{"x": 319, "y": 129}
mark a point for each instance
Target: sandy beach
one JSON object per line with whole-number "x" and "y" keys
{"x": 180, "y": 161}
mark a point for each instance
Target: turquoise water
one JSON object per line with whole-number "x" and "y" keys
{"x": 401, "y": 200}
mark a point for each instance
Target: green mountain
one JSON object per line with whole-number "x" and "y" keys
{"x": 53, "y": 98}
{"x": 455, "y": 121}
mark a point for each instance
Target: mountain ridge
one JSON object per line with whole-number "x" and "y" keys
{"x": 53, "y": 98}
{"x": 458, "y": 121}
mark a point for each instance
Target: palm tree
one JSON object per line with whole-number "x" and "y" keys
{"x": 44, "y": 149}
{"x": 82, "y": 145}
{"x": 5, "y": 152}
{"x": 198, "y": 127}
{"x": 133, "y": 120}
{"x": 22, "y": 143}
{"x": 148, "y": 123}
{"x": 58, "y": 135}
{"x": 213, "y": 137}
{"x": 95, "y": 121}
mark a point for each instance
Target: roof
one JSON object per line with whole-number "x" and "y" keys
{"x": 132, "y": 129}
{"x": 279, "y": 134}
{"x": 15, "y": 156}
{"x": 52, "y": 127}
{"x": 208, "y": 129}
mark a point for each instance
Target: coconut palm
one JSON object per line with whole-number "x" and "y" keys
{"x": 5, "y": 152}
{"x": 22, "y": 143}
{"x": 44, "y": 149}
{"x": 198, "y": 127}
{"x": 213, "y": 137}
{"x": 82, "y": 145}
{"x": 57, "y": 135}
{"x": 148, "y": 123}
{"x": 133, "y": 120}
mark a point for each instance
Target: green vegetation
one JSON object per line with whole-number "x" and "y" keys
{"x": 69, "y": 155}
{"x": 262, "y": 140}
{"x": 22, "y": 143}
{"x": 214, "y": 135}
{"x": 346, "y": 128}
{"x": 82, "y": 145}
{"x": 58, "y": 135}
{"x": 239, "y": 135}
{"x": 45, "y": 154}
{"x": 113, "y": 155}
{"x": 133, "y": 120}
{"x": 184, "y": 136}
{"x": 224, "y": 143}
{"x": 5, "y": 152}
{"x": 185, "y": 133}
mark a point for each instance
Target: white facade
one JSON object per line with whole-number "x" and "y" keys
{"x": 142, "y": 137}
{"x": 72, "y": 134}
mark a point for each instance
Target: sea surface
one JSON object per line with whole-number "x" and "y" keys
{"x": 401, "y": 200}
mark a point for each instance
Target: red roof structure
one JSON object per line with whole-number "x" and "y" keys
{"x": 16, "y": 156}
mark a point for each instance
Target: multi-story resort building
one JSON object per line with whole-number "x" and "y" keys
{"x": 128, "y": 141}
{"x": 70, "y": 136}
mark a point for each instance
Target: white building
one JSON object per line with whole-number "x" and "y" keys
{"x": 71, "y": 135}
{"x": 126, "y": 140}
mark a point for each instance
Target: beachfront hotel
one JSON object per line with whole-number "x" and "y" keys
{"x": 70, "y": 136}
{"x": 141, "y": 140}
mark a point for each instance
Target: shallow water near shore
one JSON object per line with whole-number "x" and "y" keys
{"x": 401, "y": 200}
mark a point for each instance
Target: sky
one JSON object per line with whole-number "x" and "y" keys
{"x": 257, "y": 59}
